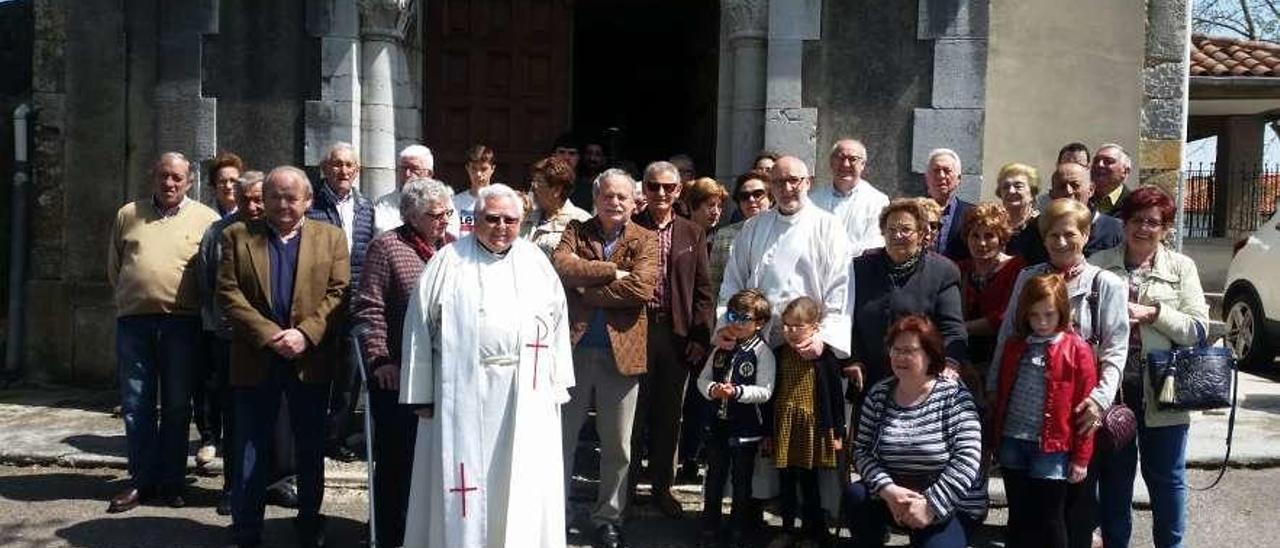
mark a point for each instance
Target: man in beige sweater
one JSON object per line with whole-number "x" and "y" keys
{"x": 151, "y": 267}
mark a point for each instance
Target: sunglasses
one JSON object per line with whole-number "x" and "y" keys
{"x": 669, "y": 188}
{"x": 752, "y": 194}
{"x": 497, "y": 220}
{"x": 733, "y": 316}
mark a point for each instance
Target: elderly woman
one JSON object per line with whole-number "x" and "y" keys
{"x": 224, "y": 171}
{"x": 705, "y": 198}
{"x": 1017, "y": 186}
{"x": 1099, "y": 309}
{"x": 918, "y": 448}
{"x": 986, "y": 277}
{"x": 1167, "y": 305}
{"x": 394, "y": 263}
{"x": 552, "y": 181}
{"x": 751, "y": 197}
{"x": 900, "y": 279}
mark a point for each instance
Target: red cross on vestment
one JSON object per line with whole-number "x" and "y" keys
{"x": 463, "y": 488}
{"x": 537, "y": 347}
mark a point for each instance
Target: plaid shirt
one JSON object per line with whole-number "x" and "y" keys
{"x": 391, "y": 272}
{"x": 661, "y": 301}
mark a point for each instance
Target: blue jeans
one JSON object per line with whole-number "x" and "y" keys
{"x": 1023, "y": 455}
{"x": 256, "y": 411}
{"x": 868, "y": 519}
{"x": 1164, "y": 470}
{"x": 154, "y": 354}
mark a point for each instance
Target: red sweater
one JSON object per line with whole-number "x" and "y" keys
{"x": 1070, "y": 374}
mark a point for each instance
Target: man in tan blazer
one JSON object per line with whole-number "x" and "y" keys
{"x": 609, "y": 266}
{"x": 283, "y": 283}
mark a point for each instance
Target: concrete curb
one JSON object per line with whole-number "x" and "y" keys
{"x": 337, "y": 475}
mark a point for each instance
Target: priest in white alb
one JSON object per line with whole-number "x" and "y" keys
{"x": 487, "y": 361}
{"x": 851, "y": 198}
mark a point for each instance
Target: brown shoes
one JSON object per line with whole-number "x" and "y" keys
{"x": 128, "y": 500}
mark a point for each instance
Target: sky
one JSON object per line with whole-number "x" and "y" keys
{"x": 1205, "y": 150}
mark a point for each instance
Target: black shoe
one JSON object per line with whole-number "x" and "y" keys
{"x": 688, "y": 474}
{"x": 283, "y": 493}
{"x": 341, "y": 453}
{"x": 224, "y": 505}
{"x": 171, "y": 497}
{"x": 310, "y": 531}
{"x": 610, "y": 536}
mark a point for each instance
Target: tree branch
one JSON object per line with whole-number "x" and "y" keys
{"x": 1211, "y": 23}
{"x": 1248, "y": 19}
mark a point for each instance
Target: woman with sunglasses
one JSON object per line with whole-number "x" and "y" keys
{"x": 752, "y": 197}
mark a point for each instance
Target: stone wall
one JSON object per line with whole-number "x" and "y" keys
{"x": 1162, "y": 129}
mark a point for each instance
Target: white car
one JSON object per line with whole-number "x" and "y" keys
{"x": 1251, "y": 303}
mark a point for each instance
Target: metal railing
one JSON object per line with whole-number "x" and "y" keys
{"x": 1228, "y": 202}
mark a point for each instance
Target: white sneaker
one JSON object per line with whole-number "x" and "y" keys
{"x": 206, "y": 454}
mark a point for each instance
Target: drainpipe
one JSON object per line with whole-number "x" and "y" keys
{"x": 17, "y": 245}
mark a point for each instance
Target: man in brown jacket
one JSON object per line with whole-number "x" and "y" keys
{"x": 283, "y": 283}
{"x": 609, "y": 266}
{"x": 681, "y": 314}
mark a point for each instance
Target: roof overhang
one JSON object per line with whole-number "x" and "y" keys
{"x": 1234, "y": 96}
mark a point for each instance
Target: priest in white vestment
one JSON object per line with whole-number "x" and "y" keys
{"x": 488, "y": 361}
{"x": 852, "y": 199}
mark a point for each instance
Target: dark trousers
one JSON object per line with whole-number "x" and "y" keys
{"x": 257, "y": 410}
{"x": 220, "y": 390}
{"x": 661, "y": 399}
{"x": 208, "y": 386}
{"x": 343, "y": 397}
{"x": 807, "y": 480}
{"x": 395, "y": 430}
{"x": 154, "y": 354}
{"x": 1082, "y": 502}
{"x": 1037, "y": 510}
{"x": 695, "y": 417}
{"x": 735, "y": 461}
{"x": 869, "y": 519}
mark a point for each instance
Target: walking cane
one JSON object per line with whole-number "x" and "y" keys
{"x": 358, "y": 356}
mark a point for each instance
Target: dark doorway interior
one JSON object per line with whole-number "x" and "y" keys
{"x": 645, "y": 77}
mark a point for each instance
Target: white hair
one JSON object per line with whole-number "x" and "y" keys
{"x": 338, "y": 147}
{"x": 421, "y": 152}
{"x": 418, "y": 193}
{"x": 249, "y": 179}
{"x": 171, "y": 156}
{"x": 613, "y": 173}
{"x": 944, "y": 152}
{"x": 289, "y": 170}
{"x": 836, "y": 145}
{"x": 499, "y": 191}
{"x": 652, "y": 170}
{"x": 1121, "y": 155}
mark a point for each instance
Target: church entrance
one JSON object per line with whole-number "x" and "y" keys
{"x": 515, "y": 74}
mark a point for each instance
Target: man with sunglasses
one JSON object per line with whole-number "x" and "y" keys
{"x": 851, "y": 198}
{"x": 680, "y": 318}
{"x": 487, "y": 363}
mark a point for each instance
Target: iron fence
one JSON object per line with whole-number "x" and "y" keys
{"x": 1228, "y": 202}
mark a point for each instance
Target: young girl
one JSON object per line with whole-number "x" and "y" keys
{"x": 738, "y": 382}
{"x": 1045, "y": 372}
{"x": 807, "y": 417}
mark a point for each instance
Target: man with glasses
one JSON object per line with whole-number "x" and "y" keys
{"x": 680, "y": 315}
{"x": 487, "y": 363}
{"x": 851, "y": 198}
{"x": 415, "y": 162}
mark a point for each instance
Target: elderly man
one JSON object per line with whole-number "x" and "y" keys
{"x": 1072, "y": 180}
{"x": 392, "y": 268}
{"x": 609, "y": 265}
{"x": 942, "y": 180}
{"x": 415, "y": 162}
{"x": 151, "y": 267}
{"x": 217, "y": 330}
{"x": 1108, "y": 170}
{"x": 339, "y": 203}
{"x": 282, "y": 281}
{"x": 680, "y": 315}
{"x": 487, "y": 360}
{"x": 851, "y": 198}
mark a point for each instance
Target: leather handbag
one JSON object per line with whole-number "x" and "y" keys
{"x": 1118, "y": 423}
{"x": 1192, "y": 379}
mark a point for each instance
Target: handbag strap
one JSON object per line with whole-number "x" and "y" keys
{"x": 1231, "y": 427}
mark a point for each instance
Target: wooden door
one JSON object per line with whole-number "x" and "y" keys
{"x": 497, "y": 73}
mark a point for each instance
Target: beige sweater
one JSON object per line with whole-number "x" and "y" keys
{"x": 151, "y": 259}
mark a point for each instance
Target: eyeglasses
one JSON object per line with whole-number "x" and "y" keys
{"x": 438, "y": 216}
{"x": 904, "y": 350}
{"x": 789, "y": 181}
{"x": 498, "y": 220}
{"x": 1146, "y": 223}
{"x": 733, "y": 316}
{"x": 669, "y": 188}
{"x": 793, "y": 328}
{"x": 900, "y": 231}
{"x": 751, "y": 194}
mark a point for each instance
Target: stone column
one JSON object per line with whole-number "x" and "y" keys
{"x": 790, "y": 127}
{"x": 185, "y": 120}
{"x": 1237, "y": 168}
{"x": 955, "y": 116}
{"x": 1162, "y": 131}
{"x": 382, "y": 63}
{"x": 336, "y": 115}
{"x": 742, "y": 84}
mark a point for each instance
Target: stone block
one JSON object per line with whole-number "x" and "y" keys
{"x": 783, "y": 87}
{"x": 970, "y": 188}
{"x": 1160, "y": 153}
{"x": 48, "y": 66}
{"x": 344, "y": 18}
{"x": 47, "y": 352}
{"x": 795, "y": 20}
{"x": 952, "y": 19}
{"x": 1164, "y": 80}
{"x": 93, "y": 347}
{"x": 50, "y": 19}
{"x": 339, "y": 69}
{"x": 957, "y": 129}
{"x": 1166, "y": 179}
{"x": 959, "y": 73}
{"x": 792, "y": 131}
{"x": 1162, "y": 119}
{"x": 1166, "y": 30}
{"x": 408, "y": 126}
{"x": 328, "y": 122}
{"x": 376, "y": 60}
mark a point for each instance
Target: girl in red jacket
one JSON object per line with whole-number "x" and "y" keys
{"x": 1045, "y": 371}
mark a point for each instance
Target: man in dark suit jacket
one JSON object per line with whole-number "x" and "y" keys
{"x": 339, "y": 203}
{"x": 942, "y": 180}
{"x": 1108, "y": 170}
{"x": 283, "y": 283}
{"x": 681, "y": 314}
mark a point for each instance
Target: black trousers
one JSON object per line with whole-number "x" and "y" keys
{"x": 220, "y": 390}
{"x": 395, "y": 430}
{"x": 1082, "y": 503}
{"x": 1037, "y": 511}
{"x": 344, "y": 394}
{"x": 210, "y": 395}
{"x": 736, "y": 462}
{"x": 812, "y": 514}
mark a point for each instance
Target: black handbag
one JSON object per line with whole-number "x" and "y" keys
{"x": 1192, "y": 379}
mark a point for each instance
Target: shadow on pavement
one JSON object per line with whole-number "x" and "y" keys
{"x": 111, "y": 446}
{"x": 102, "y": 401}
{"x": 61, "y": 486}
{"x": 170, "y": 532}
{"x": 1269, "y": 403}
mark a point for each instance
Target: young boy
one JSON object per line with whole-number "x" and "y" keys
{"x": 480, "y": 166}
{"x": 737, "y": 382}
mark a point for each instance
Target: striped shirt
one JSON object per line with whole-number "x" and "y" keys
{"x": 937, "y": 442}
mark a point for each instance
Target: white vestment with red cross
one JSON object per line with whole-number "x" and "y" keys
{"x": 486, "y": 344}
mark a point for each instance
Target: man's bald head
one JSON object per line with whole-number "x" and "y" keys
{"x": 789, "y": 184}
{"x": 848, "y": 160}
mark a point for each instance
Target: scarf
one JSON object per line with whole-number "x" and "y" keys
{"x": 898, "y": 273}
{"x": 419, "y": 244}
{"x": 1070, "y": 272}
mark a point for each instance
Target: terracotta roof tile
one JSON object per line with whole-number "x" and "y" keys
{"x": 1222, "y": 56}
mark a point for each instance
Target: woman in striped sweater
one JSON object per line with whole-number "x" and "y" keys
{"x": 918, "y": 448}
